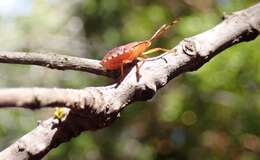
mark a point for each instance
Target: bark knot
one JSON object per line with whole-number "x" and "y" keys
{"x": 189, "y": 48}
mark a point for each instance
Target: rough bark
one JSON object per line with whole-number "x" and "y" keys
{"x": 97, "y": 107}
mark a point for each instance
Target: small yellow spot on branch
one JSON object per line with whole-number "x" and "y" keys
{"x": 59, "y": 113}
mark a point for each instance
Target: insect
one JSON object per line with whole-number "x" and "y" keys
{"x": 117, "y": 57}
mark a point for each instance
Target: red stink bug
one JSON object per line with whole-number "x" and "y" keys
{"x": 117, "y": 57}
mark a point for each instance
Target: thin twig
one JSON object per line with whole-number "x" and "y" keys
{"x": 54, "y": 61}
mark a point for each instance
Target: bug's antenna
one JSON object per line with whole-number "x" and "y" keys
{"x": 162, "y": 29}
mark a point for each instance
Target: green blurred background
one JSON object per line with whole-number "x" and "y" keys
{"x": 210, "y": 114}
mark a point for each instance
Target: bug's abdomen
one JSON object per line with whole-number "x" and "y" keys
{"x": 114, "y": 60}
{"x": 115, "y": 57}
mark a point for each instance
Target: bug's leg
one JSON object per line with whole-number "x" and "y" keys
{"x": 138, "y": 76}
{"x": 142, "y": 59}
{"x": 122, "y": 72}
{"x": 155, "y": 50}
{"x": 122, "y": 68}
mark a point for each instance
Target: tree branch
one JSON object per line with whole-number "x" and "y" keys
{"x": 55, "y": 61}
{"x": 97, "y": 107}
{"x": 35, "y": 98}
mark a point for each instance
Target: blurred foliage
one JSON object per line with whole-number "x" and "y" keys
{"x": 209, "y": 114}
